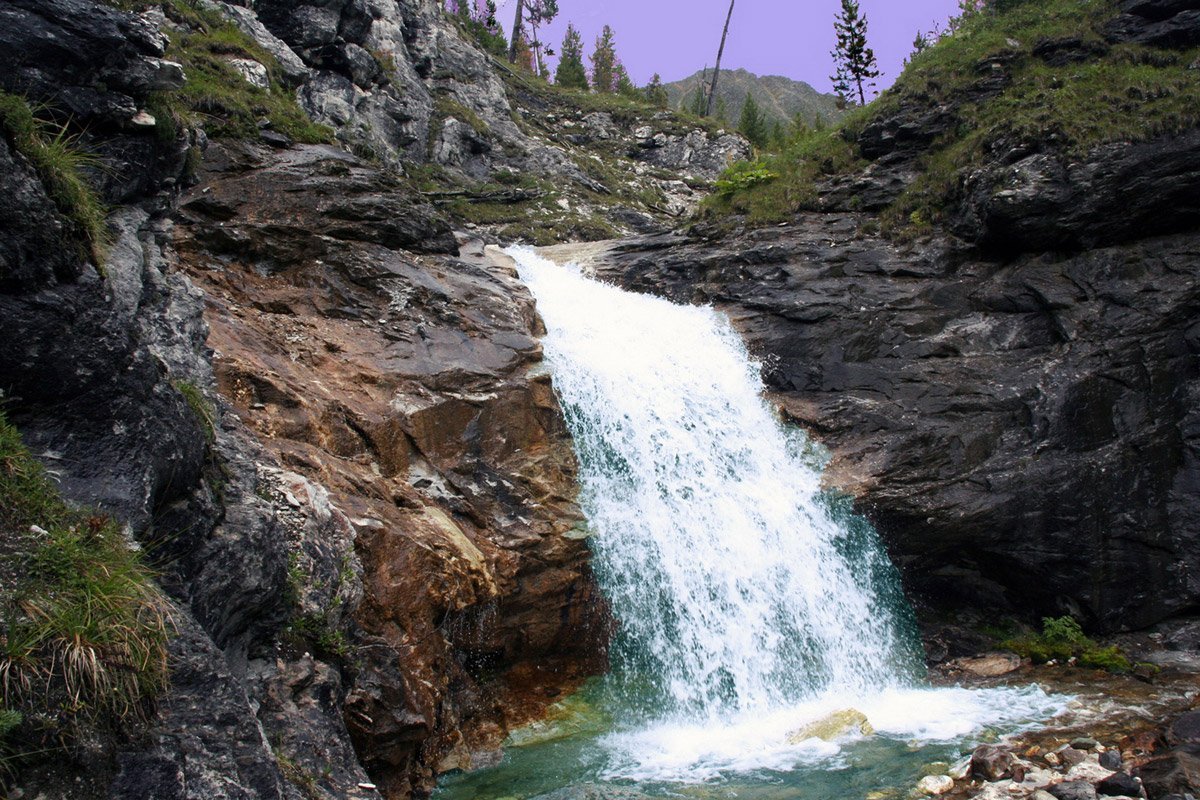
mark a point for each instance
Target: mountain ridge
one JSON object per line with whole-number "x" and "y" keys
{"x": 779, "y": 97}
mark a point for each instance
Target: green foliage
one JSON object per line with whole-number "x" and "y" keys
{"x": 85, "y": 627}
{"x": 216, "y": 96}
{"x": 604, "y": 62}
{"x": 752, "y": 124}
{"x": 480, "y": 25}
{"x": 742, "y": 176}
{"x": 812, "y": 154}
{"x": 655, "y": 93}
{"x": 624, "y": 85}
{"x": 60, "y": 162}
{"x": 854, "y": 60}
{"x": 570, "y": 73}
{"x": 1062, "y": 639}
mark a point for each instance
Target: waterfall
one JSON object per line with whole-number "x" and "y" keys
{"x": 747, "y": 598}
{"x": 735, "y": 587}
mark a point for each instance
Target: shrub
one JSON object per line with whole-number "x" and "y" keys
{"x": 1062, "y": 639}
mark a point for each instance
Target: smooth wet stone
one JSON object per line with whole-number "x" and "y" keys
{"x": 1084, "y": 743}
{"x": 833, "y": 726}
{"x": 988, "y": 665}
{"x": 1111, "y": 759}
{"x": 935, "y": 784}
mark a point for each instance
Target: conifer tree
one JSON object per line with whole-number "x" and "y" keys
{"x": 570, "y": 72}
{"x": 854, "y": 60}
{"x": 656, "y": 93}
{"x": 696, "y": 102}
{"x": 621, "y": 81}
{"x": 604, "y": 62}
{"x": 752, "y": 124}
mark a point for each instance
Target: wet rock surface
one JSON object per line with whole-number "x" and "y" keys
{"x": 410, "y": 388}
{"x": 1020, "y": 431}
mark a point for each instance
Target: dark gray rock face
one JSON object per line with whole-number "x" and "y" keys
{"x": 1022, "y": 432}
{"x": 1046, "y": 201}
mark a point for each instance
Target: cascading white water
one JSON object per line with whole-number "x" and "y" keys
{"x": 735, "y": 588}
{"x": 746, "y": 602}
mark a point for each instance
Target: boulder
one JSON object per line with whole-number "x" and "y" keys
{"x": 990, "y": 762}
{"x": 1174, "y": 772}
{"x": 1120, "y": 784}
{"x": 989, "y": 665}
{"x": 1185, "y": 729}
{"x": 833, "y": 726}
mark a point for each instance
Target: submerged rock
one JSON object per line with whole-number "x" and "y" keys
{"x": 833, "y": 726}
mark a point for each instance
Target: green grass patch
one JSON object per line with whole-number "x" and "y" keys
{"x": 60, "y": 162}
{"x": 216, "y": 96}
{"x": 85, "y": 627}
{"x": 1062, "y": 639}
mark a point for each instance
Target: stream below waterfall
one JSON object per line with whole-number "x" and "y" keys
{"x": 750, "y": 602}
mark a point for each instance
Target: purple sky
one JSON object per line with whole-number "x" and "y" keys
{"x": 769, "y": 37}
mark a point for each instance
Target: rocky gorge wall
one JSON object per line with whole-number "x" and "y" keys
{"x": 329, "y": 431}
{"x": 1011, "y": 395}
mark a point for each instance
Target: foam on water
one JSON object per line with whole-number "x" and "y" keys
{"x": 749, "y": 601}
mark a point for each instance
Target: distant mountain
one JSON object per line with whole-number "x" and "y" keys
{"x": 778, "y": 97}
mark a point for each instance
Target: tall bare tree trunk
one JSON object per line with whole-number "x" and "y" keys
{"x": 712, "y": 92}
{"x": 516, "y": 32}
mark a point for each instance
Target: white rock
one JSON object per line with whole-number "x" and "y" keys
{"x": 251, "y": 71}
{"x": 935, "y": 784}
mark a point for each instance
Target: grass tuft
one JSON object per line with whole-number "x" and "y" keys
{"x": 85, "y": 627}
{"x": 60, "y": 162}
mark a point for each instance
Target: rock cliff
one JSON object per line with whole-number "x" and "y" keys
{"x": 1009, "y": 393}
{"x": 322, "y": 416}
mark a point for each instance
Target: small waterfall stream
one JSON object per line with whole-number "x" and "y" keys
{"x": 749, "y": 601}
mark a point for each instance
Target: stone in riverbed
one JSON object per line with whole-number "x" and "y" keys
{"x": 833, "y": 726}
{"x": 988, "y": 665}
{"x": 1071, "y": 756}
{"x": 1111, "y": 759}
{"x": 935, "y": 784}
{"x": 1120, "y": 784}
{"x": 1185, "y": 729}
{"x": 1073, "y": 790}
{"x": 991, "y": 763}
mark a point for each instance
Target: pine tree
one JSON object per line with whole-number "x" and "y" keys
{"x": 621, "y": 81}
{"x": 855, "y": 61}
{"x": 696, "y": 102}
{"x": 656, "y": 93}
{"x": 604, "y": 62}
{"x": 570, "y": 72}
{"x": 752, "y": 124}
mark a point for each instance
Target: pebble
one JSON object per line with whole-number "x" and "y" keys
{"x": 1084, "y": 743}
{"x": 1110, "y": 759}
{"x": 1073, "y": 790}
